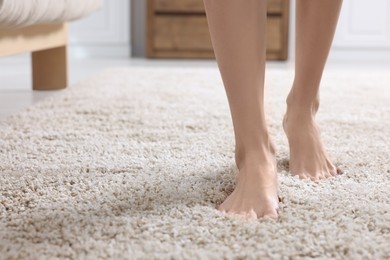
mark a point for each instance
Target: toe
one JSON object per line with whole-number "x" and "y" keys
{"x": 270, "y": 211}
{"x": 333, "y": 171}
{"x": 331, "y": 168}
{"x": 252, "y": 214}
{"x": 316, "y": 179}
{"x": 328, "y": 175}
{"x": 249, "y": 215}
{"x": 270, "y": 214}
{"x": 322, "y": 176}
{"x": 311, "y": 178}
{"x": 220, "y": 208}
{"x": 302, "y": 176}
{"x": 230, "y": 212}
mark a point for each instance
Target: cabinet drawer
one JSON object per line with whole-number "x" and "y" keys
{"x": 181, "y": 32}
{"x": 190, "y": 32}
{"x": 274, "y": 6}
{"x": 179, "y": 5}
{"x": 274, "y": 34}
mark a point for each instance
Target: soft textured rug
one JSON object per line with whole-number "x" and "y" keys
{"x": 131, "y": 164}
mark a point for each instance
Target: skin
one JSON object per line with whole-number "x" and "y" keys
{"x": 238, "y": 34}
{"x": 316, "y": 23}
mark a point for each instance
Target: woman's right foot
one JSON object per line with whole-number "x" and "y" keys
{"x": 256, "y": 191}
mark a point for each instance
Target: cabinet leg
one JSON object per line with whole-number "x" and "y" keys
{"x": 49, "y": 68}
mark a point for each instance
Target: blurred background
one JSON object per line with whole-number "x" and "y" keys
{"x": 119, "y": 30}
{"x": 171, "y": 33}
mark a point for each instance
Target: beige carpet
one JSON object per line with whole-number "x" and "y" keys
{"x": 131, "y": 163}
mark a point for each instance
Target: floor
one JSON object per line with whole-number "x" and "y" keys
{"x": 140, "y": 174}
{"x": 15, "y": 75}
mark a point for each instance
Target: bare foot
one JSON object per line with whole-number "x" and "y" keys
{"x": 308, "y": 158}
{"x": 256, "y": 191}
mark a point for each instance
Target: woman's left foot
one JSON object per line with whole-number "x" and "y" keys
{"x": 308, "y": 158}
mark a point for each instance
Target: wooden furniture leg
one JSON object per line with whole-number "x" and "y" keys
{"x": 47, "y": 43}
{"x": 49, "y": 68}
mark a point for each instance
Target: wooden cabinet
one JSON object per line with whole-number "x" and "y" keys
{"x": 179, "y": 29}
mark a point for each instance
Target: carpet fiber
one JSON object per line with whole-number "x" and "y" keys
{"x": 131, "y": 164}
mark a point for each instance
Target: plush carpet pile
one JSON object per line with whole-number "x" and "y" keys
{"x": 130, "y": 164}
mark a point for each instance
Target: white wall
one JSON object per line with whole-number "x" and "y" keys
{"x": 363, "y": 31}
{"x": 105, "y": 33}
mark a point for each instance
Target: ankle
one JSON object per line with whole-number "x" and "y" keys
{"x": 302, "y": 103}
{"x": 261, "y": 155}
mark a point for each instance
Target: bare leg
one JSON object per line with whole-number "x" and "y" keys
{"x": 238, "y": 30}
{"x": 315, "y": 27}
